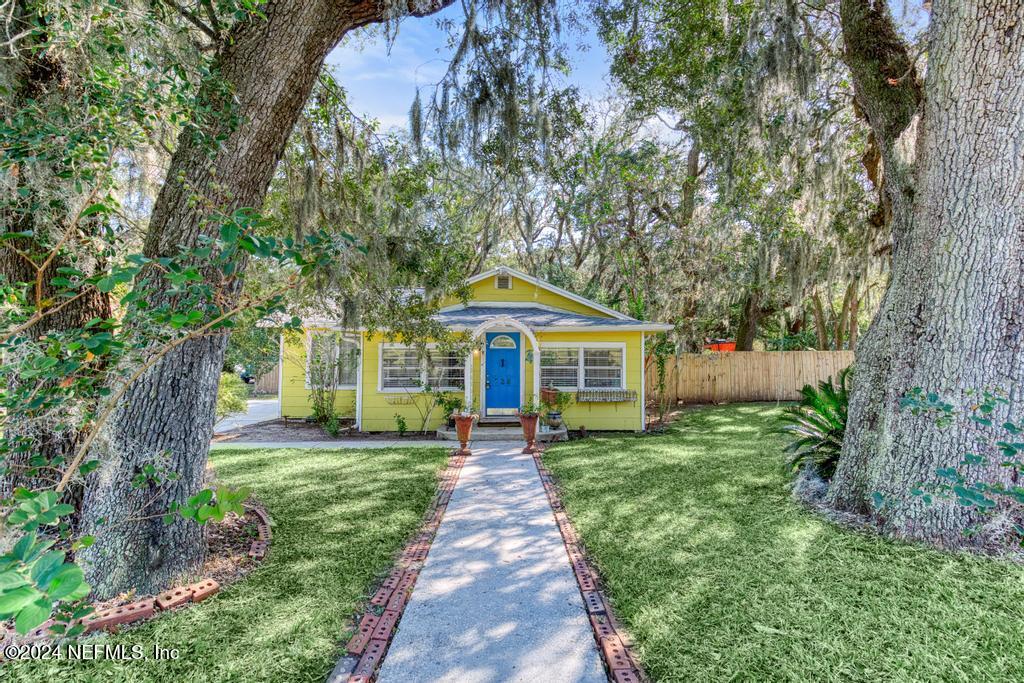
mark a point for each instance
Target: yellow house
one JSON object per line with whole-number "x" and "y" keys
{"x": 527, "y": 334}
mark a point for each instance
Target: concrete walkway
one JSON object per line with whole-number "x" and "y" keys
{"x": 257, "y": 410}
{"x": 496, "y": 599}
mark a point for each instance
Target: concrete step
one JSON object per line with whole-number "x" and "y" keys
{"x": 491, "y": 433}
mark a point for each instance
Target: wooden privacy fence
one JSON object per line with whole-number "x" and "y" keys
{"x": 267, "y": 382}
{"x": 744, "y": 376}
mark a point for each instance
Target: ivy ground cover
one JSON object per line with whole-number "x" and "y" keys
{"x": 719, "y": 575}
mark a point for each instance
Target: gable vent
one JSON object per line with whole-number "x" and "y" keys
{"x": 503, "y": 281}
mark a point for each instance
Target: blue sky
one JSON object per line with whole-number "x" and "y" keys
{"x": 382, "y": 83}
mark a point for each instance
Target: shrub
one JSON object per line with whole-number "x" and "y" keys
{"x": 231, "y": 394}
{"x": 450, "y": 403}
{"x": 332, "y": 425}
{"x": 817, "y": 426}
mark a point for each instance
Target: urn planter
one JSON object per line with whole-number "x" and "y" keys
{"x": 528, "y": 421}
{"x": 463, "y": 431}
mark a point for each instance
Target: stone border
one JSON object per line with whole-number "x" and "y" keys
{"x": 150, "y": 606}
{"x": 366, "y": 649}
{"x": 612, "y": 642}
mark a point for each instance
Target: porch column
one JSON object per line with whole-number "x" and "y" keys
{"x": 469, "y": 379}
{"x": 536, "y": 370}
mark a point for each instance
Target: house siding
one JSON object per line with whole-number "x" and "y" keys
{"x": 524, "y": 292}
{"x": 379, "y": 408}
{"x": 295, "y": 397}
{"x": 618, "y": 416}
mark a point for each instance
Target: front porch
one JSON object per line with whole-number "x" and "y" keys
{"x": 504, "y": 431}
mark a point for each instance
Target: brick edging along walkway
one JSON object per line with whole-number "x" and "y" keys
{"x": 620, "y": 664}
{"x": 149, "y": 606}
{"x": 378, "y": 623}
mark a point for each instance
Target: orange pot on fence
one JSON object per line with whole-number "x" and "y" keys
{"x": 529, "y": 424}
{"x": 463, "y": 431}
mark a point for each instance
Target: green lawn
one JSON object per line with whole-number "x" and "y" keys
{"x": 340, "y": 516}
{"x": 718, "y": 575}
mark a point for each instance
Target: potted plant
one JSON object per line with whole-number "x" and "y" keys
{"x": 528, "y": 416}
{"x": 547, "y": 395}
{"x": 451, "y": 404}
{"x": 464, "y": 427}
{"x": 555, "y": 404}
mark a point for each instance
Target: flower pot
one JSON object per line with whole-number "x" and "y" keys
{"x": 529, "y": 425}
{"x": 548, "y": 395}
{"x": 464, "y": 430}
{"x": 554, "y": 419}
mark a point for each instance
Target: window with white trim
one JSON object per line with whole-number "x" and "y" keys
{"x": 332, "y": 360}
{"x": 503, "y": 341}
{"x": 602, "y": 369}
{"x": 446, "y": 371}
{"x": 573, "y": 368}
{"x": 400, "y": 368}
{"x": 403, "y": 369}
{"x": 560, "y": 368}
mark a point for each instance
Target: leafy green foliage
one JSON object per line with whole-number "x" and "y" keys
{"x": 232, "y": 394}
{"x": 817, "y": 425}
{"x": 1001, "y": 447}
{"x": 450, "y": 403}
{"x": 251, "y": 347}
{"x": 33, "y": 579}
{"x": 400, "y": 424}
{"x": 207, "y": 505}
{"x": 759, "y": 92}
{"x": 558, "y": 403}
{"x": 529, "y": 408}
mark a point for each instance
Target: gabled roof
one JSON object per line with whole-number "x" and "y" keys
{"x": 536, "y": 315}
{"x": 505, "y": 270}
{"x": 542, "y": 318}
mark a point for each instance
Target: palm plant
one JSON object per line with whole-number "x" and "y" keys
{"x": 817, "y": 425}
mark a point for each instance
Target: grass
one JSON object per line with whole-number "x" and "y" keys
{"x": 339, "y": 518}
{"x": 718, "y": 575}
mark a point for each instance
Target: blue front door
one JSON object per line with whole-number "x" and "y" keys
{"x": 501, "y": 378}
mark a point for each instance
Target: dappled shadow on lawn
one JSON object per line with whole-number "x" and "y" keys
{"x": 719, "y": 574}
{"x": 339, "y": 518}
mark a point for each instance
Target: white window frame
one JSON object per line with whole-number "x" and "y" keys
{"x": 500, "y": 274}
{"x": 424, "y": 372}
{"x": 560, "y": 387}
{"x": 354, "y": 337}
{"x": 581, "y": 373}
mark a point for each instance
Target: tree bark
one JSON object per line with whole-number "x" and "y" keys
{"x": 854, "y": 326}
{"x": 750, "y": 318}
{"x": 842, "y": 322}
{"x": 269, "y": 67}
{"x": 952, "y": 318}
{"x": 820, "y": 327}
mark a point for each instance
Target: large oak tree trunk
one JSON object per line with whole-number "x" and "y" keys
{"x": 270, "y": 66}
{"x": 953, "y": 316}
